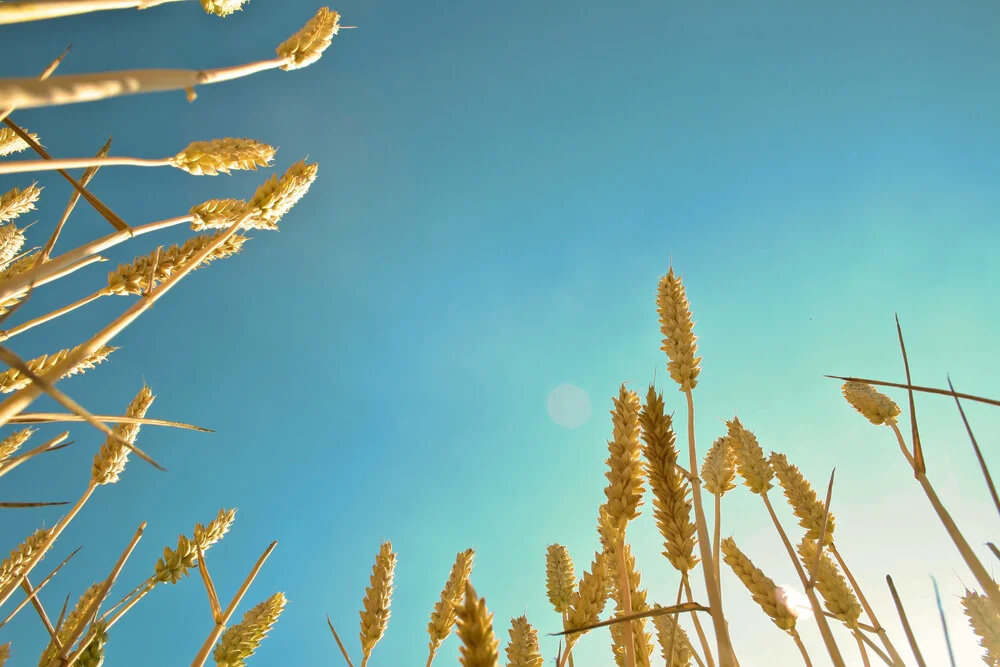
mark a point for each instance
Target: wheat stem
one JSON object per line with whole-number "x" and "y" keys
{"x": 861, "y": 648}
{"x": 974, "y": 564}
{"x": 22, "y": 398}
{"x": 24, "y": 166}
{"x": 30, "y": 324}
{"x": 897, "y": 660}
{"x": 15, "y": 583}
{"x": 725, "y": 647}
{"x": 95, "y": 604}
{"x": 11, "y": 463}
{"x": 35, "y": 591}
{"x": 79, "y": 257}
{"x": 626, "y": 595}
{"x": 40, "y": 10}
{"x": 686, "y": 583}
{"x": 32, "y": 594}
{"x": 220, "y": 623}
{"x": 802, "y": 648}
{"x": 824, "y": 626}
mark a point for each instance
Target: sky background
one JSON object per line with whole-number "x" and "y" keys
{"x": 501, "y": 186}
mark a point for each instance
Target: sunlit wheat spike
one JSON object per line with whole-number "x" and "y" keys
{"x": 4, "y": 653}
{"x": 15, "y": 202}
{"x": 11, "y": 141}
{"x": 625, "y": 488}
{"x": 805, "y": 504}
{"x": 522, "y": 650}
{"x": 70, "y": 624}
{"x": 222, "y": 7}
{"x": 110, "y": 461}
{"x": 378, "y": 598}
{"x": 837, "y": 594}
{"x": 240, "y": 641}
{"x": 12, "y": 567}
{"x": 675, "y": 646}
{"x": 443, "y": 616}
{"x": 560, "y": 580}
{"x": 985, "y": 620}
{"x": 176, "y": 563}
{"x": 13, "y": 379}
{"x": 308, "y": 44}
{"x": 208, "y": 158}
{"x": 873, "y": 404}
{"x": 222, "y": 213}
{"x": 677, "y": 327}
{"x": 480, "y": 647}
{"x": 14, "y": 442}
{"x": 11, "y": 242}
{"x": 761, "y": 587}
{"x": 591, "y": 596}
{"x": 671, "y": 504}
{"x": 753, "y": 467}
{"x": 133, "y": 278}
{"x": 718, "y": 472}
{"x": 277, "y": 196}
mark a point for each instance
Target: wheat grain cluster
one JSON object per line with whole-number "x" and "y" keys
{"x": 83, "y": 634}
{"x": 643, "y": 455}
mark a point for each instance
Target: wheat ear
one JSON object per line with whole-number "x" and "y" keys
{"x": 985, "y": 621}
{"x": 586, "y": 603}
{"x": 300, "y": 50}
{"x": 11, "y": 142}
{"x": 880, "y": 409}
{"x": 680, "y": 345}
{"x": 12, "y": 379}
{"x": 560, "y": 580}
{"x": 13, "y": 203}
{"x": 443, "y": 616}
{"x": 378, "y": 597}
{"x": 239, "y": 642}
{"x": 475, "y": 630}
{"x": 522, "y": 650}
{"x": 14, "y": 442}
{"x": 719, "y": 474}
{"x": 272, "y": 200}
{"x": 675, "y": 645}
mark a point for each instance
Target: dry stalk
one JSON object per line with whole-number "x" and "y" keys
{"x": 302, "y": 49}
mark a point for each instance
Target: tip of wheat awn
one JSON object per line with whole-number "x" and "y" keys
{"x": 873, "y": 404}
{"x": 308, "y": 44}
{"x": 208, "y": 158}
{"x": 222, "y": 7}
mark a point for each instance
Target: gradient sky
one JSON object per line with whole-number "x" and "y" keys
{"x": 501, "y": 186}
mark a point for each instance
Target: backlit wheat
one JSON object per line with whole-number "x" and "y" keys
{"x": 443, "y": 616}
{"x": 240, "y": 641}
{"x": 14, "y": 442}
{"x": 560, "y": 580}
{"x": 750, "y": 462}
{"x": 378, "y": 598}
{"x": 873, "y": 404}
{"x": 13, "y": 203}
{"x": 671, "y": 506}
{"x": 308, "y": 44}
{"x": 110, "y": 461}
{"x": 808, "y": 508}
{"x": 625, "y": 489}
{"x": 522, "y": 650}
{"x": 11, "y": 142}
{"x": 13, "y": 379}
{"x": 677, "y": 327}
{"x": 480, "y": 647}
{"x": 985, "y": 621}
{"x": 837, "y": 594}
{"x": 209, "y": 158}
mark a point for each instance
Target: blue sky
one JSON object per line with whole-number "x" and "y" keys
{"x": 501, "y": 185}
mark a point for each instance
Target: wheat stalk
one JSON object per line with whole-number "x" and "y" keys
{"x": 303, "y": 48}
{"x": 680, "y": 345}
{"x": 200, "y": 158}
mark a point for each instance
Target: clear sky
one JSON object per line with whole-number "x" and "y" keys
{"x": 501, "y": 185}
